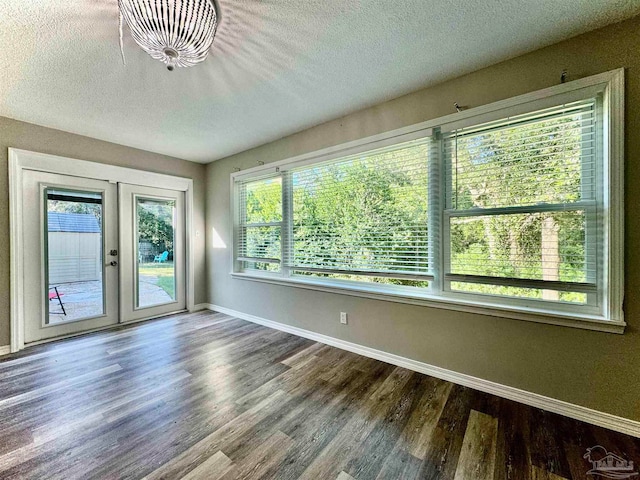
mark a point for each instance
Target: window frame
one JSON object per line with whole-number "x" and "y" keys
{"x": 590, "y": 207}
{"x": 607, "y": 317}
{"x": 241, "y": 226}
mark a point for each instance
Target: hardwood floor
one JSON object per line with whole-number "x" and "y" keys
{"x": 207, "y": 396}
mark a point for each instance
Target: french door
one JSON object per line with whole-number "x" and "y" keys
{"x": 69, "y": 231}
{"x": 97, "y": 253}
{"x": 152, "y": 252}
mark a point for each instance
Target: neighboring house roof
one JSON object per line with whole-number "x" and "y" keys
{"x": 73, "y": 222}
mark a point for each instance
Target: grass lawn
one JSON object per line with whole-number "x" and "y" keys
{"x": 164, "y": 274}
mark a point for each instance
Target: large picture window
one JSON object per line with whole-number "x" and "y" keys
{"x": 511, "y": 208}
{"x": 363, "y": 217}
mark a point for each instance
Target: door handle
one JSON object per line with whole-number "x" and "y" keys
{"x": 112, "y": 264}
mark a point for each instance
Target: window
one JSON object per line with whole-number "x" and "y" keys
{"x": 508, "y": 207}
{"x": 363, "y": 217}
{"x": 259, "y": 234}
{"x": 521, "y": 212}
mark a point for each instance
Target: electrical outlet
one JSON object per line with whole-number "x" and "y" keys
{"x": 343, "y": 318}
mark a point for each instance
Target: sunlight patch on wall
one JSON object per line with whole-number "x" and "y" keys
{"x": 217, "y": 241}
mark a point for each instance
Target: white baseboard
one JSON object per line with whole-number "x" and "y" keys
{"x": 5, "y": 350}
{"x": 577, "y": 412}
{"x": 200, "y": 306}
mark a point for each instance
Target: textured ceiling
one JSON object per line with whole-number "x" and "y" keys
{"x": 277, "y": 66}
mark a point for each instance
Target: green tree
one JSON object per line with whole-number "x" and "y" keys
{"x": 64, "y": 206}
{"x": 527, "y": 164}
{"x": 366, "y": 213}
{"x": 155, "y": 224}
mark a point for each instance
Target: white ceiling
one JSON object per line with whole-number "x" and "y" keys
{"x": 277, "y": 66}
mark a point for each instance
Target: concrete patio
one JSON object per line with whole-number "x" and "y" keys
{"x": 84, "y": 299}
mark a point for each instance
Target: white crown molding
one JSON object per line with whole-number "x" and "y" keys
{"x": 577, "y": 412}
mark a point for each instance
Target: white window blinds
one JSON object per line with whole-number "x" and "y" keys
{"x": 521, "y": 204}
{"x": 363, "y": 216}
{"x": 259, "y": 226}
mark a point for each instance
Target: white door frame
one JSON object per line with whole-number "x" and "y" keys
{"x": 20, "y": 160}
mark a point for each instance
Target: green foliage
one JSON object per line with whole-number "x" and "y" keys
{"x": 263, "y": 242}
{"x": 155, "y": 224}
{"x": 534, "y": 163}
{"x": 264, "y": 201}
{"x": 64, "y": 206}
{"x": 368, "y": 213}
{"x": 263, "y": 204}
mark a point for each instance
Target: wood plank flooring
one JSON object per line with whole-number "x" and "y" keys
{"x": 208, "y": 396}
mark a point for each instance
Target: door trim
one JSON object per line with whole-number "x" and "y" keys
{"x": 20, "y": 160}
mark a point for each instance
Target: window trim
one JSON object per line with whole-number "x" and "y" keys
{"x": 611, "y": 84}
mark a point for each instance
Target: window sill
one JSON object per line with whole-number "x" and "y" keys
{"x": 586, "y": 322}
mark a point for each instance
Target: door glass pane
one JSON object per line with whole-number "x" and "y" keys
{"x": 74, "y": 266}
{"x": 156, "y": 280}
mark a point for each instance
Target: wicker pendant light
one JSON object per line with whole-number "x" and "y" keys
{"x": 179, "y": 33}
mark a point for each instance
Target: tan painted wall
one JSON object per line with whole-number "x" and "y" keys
{"x": 597, "y": 370}
{"x": 40, "y": 139}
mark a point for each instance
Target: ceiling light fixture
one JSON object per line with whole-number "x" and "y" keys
{"x": 179, "y": 33}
